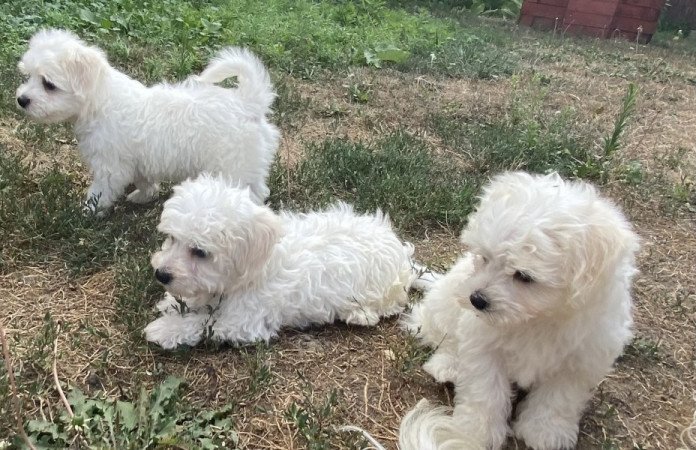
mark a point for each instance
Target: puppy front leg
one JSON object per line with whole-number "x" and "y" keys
{"x": 436, "y": 317}
{"x": 482, "y": 402}
{"x": 243, "y": 326}
{"x": 172, "y": 330}
{"x": 548, "y": 418}
{"x": 106, "y": 188}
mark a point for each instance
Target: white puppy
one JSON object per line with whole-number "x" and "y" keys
{"x": 132, "y": 134}
{"x": 243, "y": 272}
{"x": 542, "y": 300}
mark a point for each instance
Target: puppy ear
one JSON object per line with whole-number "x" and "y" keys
{"x": 85, "y": 67}
{"x": 603, "y": 248}
{"x": 265, "y": 232}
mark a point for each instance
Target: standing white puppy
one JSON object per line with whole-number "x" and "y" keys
{"x": 243, "y": 272}
{"x": 130, "y": 133}
{"x": 542, "y": 300}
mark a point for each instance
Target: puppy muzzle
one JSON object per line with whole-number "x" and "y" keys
{"x": 163, "y": 276}
{"x": 23, "y": 101}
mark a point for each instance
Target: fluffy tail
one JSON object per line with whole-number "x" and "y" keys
{"x": 431, "y": 428}
{"x": 253, "y": 78}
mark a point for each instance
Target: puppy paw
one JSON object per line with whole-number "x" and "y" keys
{"x": 442, "y": 367}
{"x": 362, "y": 317}
{"x": 91, "y": 209}
{"x": 168, "y": 305}
{"x": 142, "y": 196}
{"x": 171, "y": 331}
{"x": 546, "y": 433}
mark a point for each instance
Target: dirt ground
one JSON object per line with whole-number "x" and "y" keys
{"x": 644, "y": 404}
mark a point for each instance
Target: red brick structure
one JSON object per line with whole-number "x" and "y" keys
{"x": 632, "y": 19}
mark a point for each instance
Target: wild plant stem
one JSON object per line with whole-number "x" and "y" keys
{"x": 55, "y": 374}
{"x": 13, "y": 387}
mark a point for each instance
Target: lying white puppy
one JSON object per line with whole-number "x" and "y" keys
{"x": 243, "y": 272}
{"x": 132, "y": 134}
{"x": 542, "y": 300}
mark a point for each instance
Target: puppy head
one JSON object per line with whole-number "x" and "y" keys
{"x": 544, "y": 247}
{"x": 217, "y": 238}
{"x": 62, "y": 76}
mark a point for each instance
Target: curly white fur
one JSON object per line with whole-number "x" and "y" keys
{"x": 132, "y": 134}
{"x": 245, "y": 272}
{"x": 542, "y": 299}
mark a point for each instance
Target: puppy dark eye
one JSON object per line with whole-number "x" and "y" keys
{"x": 198, "y": 252}
{"x": 523, "y": 277}
{"x": 48, "y": 85}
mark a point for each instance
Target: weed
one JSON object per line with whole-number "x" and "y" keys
{"x": 315, "y": 422}
{"x": 611, "y": 143}
{"x": 156, "y": 420}
{"x": 408, "y": 355}
{"x": 137, "y": 291}
{"x": 644, "y": 348}
{"x": 260, "y": 375}
{"x": 359, "y": 92}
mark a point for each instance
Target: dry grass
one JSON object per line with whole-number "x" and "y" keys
{"x": 645, "y": 403}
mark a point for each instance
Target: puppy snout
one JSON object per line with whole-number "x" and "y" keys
{"x": 163, "y": 276}
{"x": 479, "y": 300}
{"x": 23, "y": 101}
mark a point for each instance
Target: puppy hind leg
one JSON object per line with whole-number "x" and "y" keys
{"x": 144, "y": 192}
{"x": 360, "y": 315}
{"x": 259, "y": 192}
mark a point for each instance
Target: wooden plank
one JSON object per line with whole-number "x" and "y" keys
{"x": 645, "y": 3}
{"x": 601, "y": 7}
{"x": 563, "y": 3}
{"x": 638, "y": 12}
{"x": 526, "y": 19}
{"x": 585, "y": 31}
{"x": 544, "y": 23}
{"x": 631, "y": 25}
{"x": 589, "y": 20}
{"x": 539, "y": 10}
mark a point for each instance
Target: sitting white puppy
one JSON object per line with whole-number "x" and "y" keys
{"x": 243, "y": 272}
{"x": 542, "y": 300}
{"x": 132, "y": 134}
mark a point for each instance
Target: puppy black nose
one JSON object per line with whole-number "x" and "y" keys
{"x": 162, "y": 276}
{"x": 479, "y": 300}
{"x": 23, "y": 101}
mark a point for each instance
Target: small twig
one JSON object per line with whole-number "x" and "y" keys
{"x": 55, "y": 374}
{"x": 15, "y": 392}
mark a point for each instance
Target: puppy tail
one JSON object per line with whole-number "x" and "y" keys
{"x": 254, "y": 81}
{"x": 431, "y": 428}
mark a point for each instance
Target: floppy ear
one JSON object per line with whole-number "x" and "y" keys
{"x": 600, "y": 248}
{"x": 264, "y": 233}
{"x": 85, "y": 67}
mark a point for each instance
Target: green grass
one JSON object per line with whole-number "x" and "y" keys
{"x": 398, "y": 174}
{"x": 42, "y": 221}
{"x": 423, "y": 189}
